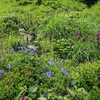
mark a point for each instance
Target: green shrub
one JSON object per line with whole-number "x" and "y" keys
{"x": 17, "y": 77}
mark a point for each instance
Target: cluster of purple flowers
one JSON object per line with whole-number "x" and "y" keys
{"x": 65, "y": 72}
{"x": 98, "y": 37}
{"x": 24, "y": 49}
{"x": 49, "y": 74}
{"x": 2, "y": 71}
{"x": 22, "y": 97}
{"x": 59, "y": 65}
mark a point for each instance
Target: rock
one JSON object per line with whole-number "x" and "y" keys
{"x": 33, "y": 47}
{"x": 21, "y": 30}
{"x": 28, "y": 37}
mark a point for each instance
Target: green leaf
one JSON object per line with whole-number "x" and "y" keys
{"x": 71, "y": 92}
{"x": 65, "y": 98}
{"x": 28, "y": 98}
{"x": 42, "y": 98}
{"x": 17, "y": 98}
{"x": 82, "y": 90}
{"x": 33, "y": 89}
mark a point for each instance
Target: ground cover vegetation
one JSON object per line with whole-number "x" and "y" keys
{"x": 49, "y": 50}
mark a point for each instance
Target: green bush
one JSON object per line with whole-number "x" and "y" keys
{"x": 12, "y": 80}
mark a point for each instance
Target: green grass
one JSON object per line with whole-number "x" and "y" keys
{"x": 66, "y": 66}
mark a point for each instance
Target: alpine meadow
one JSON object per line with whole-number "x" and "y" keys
{"x": 49, "y": 49}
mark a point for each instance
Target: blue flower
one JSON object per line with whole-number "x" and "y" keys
{"x": 9, "y": 66}
{"x": 1, "y": 72}
{"x": 26, "y": 45}
{"x": 59, "y": 64}
{"x": 32, "y": 50}
{"x": 62, "y": 70}
{"x": 69, "y": 75}
{"x": 46, "y": 95}
{"x": 30, "y": 53}
{"x": 50, "y": 63}
{"x": 12, "y": 49}
{"x": 52, "y": 73}
{"x": 25, "y": 51}
{"x": 19, "y": 47}
{"x": 18, "y": 50}
{"x": 72, "y": 82}
{"x": 49, "y": 74}
{"x": 66, "y": 73}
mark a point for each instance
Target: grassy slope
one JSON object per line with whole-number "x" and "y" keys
{"x": 74, "y": 15}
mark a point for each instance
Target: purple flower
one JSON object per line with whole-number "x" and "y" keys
{"x": 66, "y": 73}
{"x": 32, "y": 50}
{"x": 72, "y": 82}
{"x": 12, "y": 49}
{"x": 50, "y": 63}
{"x": 22, "y": 97}
{"x": 59, "y": 64}
{"x": 52, "y": 73}
{"x": 70, "y": 44}
{"x": 46, "y": 95}
{"x": 26, "y": 45}
{"x": 30, "y": 53}
{"x": 69, "y": 75}
{"x": 9, "y": 66}
{"x": 25, "y": 51}
{"x": 62, "y": 70}
{"x": 18, "y": 50}
{"x": 19, "y": 47}
{"x": 49, "y": 74}
{"x": 1, "y": 72}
